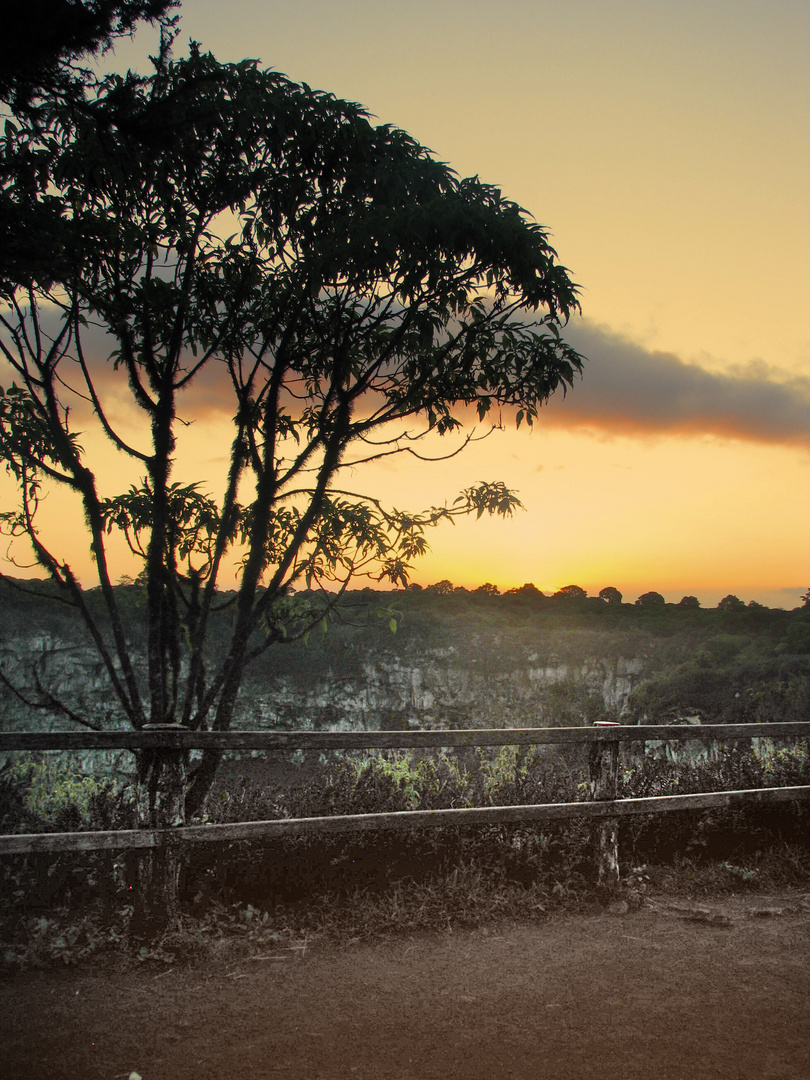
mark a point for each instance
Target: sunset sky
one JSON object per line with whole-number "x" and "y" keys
{"x": 666, "y": 145}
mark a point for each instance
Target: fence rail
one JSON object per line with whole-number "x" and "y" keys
{"x": 604, "y": 741}
{"x": 150, "y": 839}
{"x": 175, "y": 737}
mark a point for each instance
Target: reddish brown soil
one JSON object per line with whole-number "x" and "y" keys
{"x": 669, "y": 992}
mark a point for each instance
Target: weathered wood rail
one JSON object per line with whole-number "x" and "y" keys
{"x": 179, "y": 738}
{"x": 146, "y": 839}
{"x": 603, "y": 807}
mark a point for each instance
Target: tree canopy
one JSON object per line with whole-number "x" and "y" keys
{"x": 731, "y": 603}
{"x": 43, "y": 40}
{"x": 216, "y": 235}
{"x": 571, "y": 592}
{"x": 651, "y": 600}
{"x": 610, "y": 594}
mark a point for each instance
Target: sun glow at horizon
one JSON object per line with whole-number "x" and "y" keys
{"x": 675, "y": 191}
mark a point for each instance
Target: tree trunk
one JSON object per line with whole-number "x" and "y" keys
{"x": 201, "y": 782}
{"x": 156, "y": 873}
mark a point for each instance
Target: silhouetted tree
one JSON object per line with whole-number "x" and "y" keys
{"x": 689, "y": 602}
{"x": 528, "y": 591}
{"x": 488, "y": 589}
{"x": 364, "y": 289}
{"x": 441, "y": 588}
{"x": 731, "y": 603}
{"x": 570, "y": 592}
{"x": 610, "y": 595}
{"x": 651, "y": 600}
{"x": 42, "y": 40}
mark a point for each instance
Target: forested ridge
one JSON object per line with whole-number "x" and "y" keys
{"x": 549, "y": 659}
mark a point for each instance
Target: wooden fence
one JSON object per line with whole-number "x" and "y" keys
{"x": 603, "y": 806}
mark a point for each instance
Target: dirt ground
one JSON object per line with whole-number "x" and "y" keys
{"x": 674, "y": 990}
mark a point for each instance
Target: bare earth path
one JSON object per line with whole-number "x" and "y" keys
{"x": 669, "y": 992}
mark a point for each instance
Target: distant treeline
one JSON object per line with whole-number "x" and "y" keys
{"x": 608, "y": 595}
{"x": 571, "y": 596}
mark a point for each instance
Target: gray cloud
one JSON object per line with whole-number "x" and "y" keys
{"x": 629, "y": 390}
{"x": 625, "y": 390}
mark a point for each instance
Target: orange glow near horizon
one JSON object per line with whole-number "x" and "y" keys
{"x": 623, "y": 512}
{"x": 666, "y": 148}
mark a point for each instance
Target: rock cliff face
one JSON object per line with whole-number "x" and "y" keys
{"x": 418, "y": 687}
{"x": 441, "y": 689}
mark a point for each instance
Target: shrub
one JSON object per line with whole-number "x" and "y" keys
{"x": 45, "y": 793}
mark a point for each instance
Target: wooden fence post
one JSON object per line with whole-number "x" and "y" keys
{"x": 162, "y": 772}
{"x": 604, "y": 778}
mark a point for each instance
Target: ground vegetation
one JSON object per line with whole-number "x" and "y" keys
{"x": 67, "y": 909}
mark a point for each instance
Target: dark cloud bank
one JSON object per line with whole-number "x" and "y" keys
{"x": 625, "y": 390}
{"x": 628, "y": 390}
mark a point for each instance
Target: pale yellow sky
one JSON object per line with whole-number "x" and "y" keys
{"x": 666, "y": 144}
